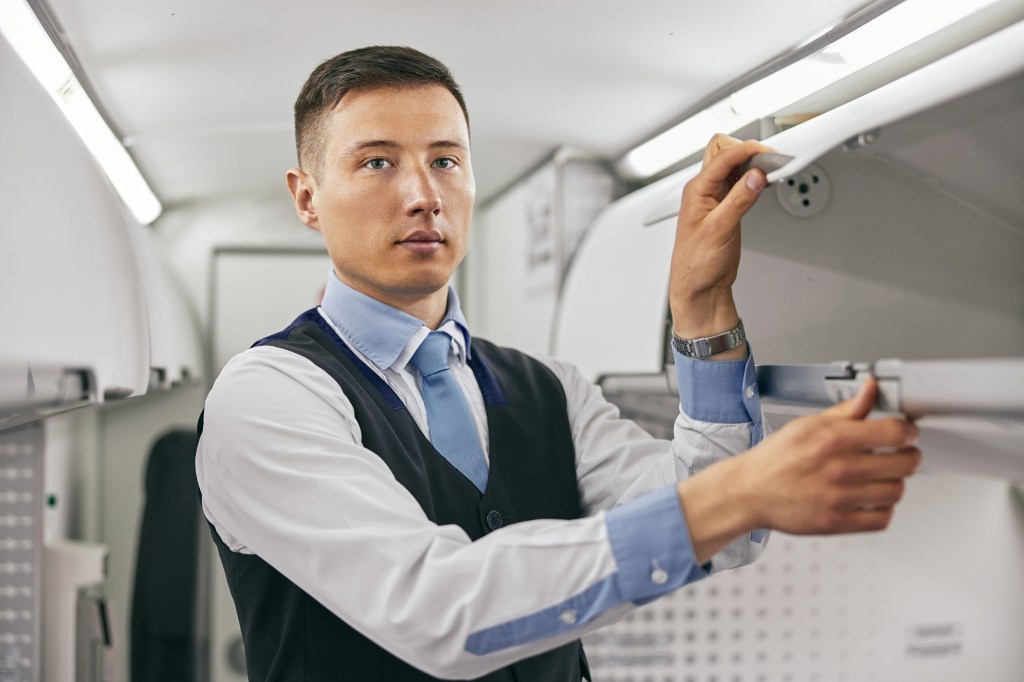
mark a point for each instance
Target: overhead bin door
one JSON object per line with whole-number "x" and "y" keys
{"x": 915, "y": 253}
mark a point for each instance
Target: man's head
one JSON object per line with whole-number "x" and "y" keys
{"x": 385, "y": 173}
{"x": 366, "y": 68}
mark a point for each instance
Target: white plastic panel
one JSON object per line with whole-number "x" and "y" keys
{"x": 612, "y": 309}
{"x": 176, "y": 347}
{"x": 932, "y": 599}
{"x": 895, "y": 266}
{"x": 258, "y": 292}
{"x": 614, "y": 303}
{"x": 521, "y": 244}
{"x": 989, "y": 387}
{"x": 21, "y": 543}
{"x": 976, "y": 66}
{"x": 71, "y": 290}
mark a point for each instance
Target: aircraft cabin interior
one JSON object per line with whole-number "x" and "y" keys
{"x": 148, "y": 237}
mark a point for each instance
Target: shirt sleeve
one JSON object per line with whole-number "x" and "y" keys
{"x": 284, "y": 476}
{"x": 719, "y": 416}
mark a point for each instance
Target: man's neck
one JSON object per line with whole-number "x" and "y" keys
{"x": 430, "y": 308}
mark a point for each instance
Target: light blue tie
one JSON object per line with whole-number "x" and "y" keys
{"x": 452, "y": 430}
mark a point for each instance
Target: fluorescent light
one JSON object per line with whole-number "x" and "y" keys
{"x": 903, "y": 25}
{"x": 21, "y": 28}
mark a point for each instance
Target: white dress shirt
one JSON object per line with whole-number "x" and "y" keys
{"x": 284, "y": 475}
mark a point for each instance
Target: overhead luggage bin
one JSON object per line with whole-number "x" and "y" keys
{"x": 30, "y": 392}
{"x": 893, "y": 228}
{"x": 991, "y": 60}
{"x": 176, "y": 348}
{"x": 72, "y": 290}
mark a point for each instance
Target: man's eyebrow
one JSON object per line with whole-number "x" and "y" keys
{"x": 445, "y": 144}
{"x": 371, "y": 144}
{"x": 391, "y": 144}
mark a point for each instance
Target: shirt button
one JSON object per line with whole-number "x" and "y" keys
{"x": 749, "y": 392}
{"x": 494, "y": 520}
{"x": 568, "y": 616}
{"x": 659, "y": 576}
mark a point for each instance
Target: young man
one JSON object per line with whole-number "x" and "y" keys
{"x": 394, "y": 499}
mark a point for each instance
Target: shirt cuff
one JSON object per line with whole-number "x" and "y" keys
{"x": 722, "y": 392}
{"x": 651, "y": 546}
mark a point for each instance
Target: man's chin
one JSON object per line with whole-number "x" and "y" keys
{"x": 419, "y": 282}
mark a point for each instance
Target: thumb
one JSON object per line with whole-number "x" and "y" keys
{"x": 859, "y": 406}
{"x": 740, "y": 198}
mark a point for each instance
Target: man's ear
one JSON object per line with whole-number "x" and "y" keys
{"x": 302, "y": 187}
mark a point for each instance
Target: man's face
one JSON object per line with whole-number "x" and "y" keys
{"x": 395, "y": 196}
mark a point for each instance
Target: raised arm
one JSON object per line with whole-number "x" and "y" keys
{"x": 821, "y": 474}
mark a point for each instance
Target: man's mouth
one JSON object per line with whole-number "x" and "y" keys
{"x": 422, "y": 241}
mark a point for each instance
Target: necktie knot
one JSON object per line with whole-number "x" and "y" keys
{"x": 432, "y": 355}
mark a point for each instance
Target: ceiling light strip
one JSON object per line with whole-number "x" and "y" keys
{"x": 22, "y": 29}
{"x": 877, "y": 32}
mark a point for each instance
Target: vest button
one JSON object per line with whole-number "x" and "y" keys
{"x": 494, "y": 520}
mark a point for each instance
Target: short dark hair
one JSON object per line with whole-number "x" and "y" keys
{"x": 378, "y": 66}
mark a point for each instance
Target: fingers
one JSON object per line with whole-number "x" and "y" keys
{"x": 880, "y": 467}
{"x": 876, "y": 494}
{"x": 721, "y": 158}
{"x": 740, "y": 198}
{"x": 732, "y": 197}
{"x": 864, "y": 508}
{"x": 867, "y": 520}
{"x": 859, "y": 406}
{"x": 893, "y": 432}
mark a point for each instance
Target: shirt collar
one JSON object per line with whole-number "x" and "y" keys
{"x": 386, "y": 335}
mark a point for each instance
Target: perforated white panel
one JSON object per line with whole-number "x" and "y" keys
{"x": 921, "y": 601}
{"x": 20, "y": 565}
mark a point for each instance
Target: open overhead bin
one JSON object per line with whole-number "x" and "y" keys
{"x": 72, "y": 307}
{"x": 895, "y": 229}
{"x": 176, "y": 347}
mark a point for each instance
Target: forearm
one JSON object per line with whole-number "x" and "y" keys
{"x": 716, "y": 507}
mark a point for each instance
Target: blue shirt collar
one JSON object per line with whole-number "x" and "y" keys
{"x": 379, "y": 331}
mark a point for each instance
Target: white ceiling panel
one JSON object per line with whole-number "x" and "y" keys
{"x": 204, "y": 88}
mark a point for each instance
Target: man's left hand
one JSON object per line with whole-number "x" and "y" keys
{"x": 706, "y": 256}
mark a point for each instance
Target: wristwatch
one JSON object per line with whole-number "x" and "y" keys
{"x": 710, "y": 345}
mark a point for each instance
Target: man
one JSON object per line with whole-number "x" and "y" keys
{"x": 394, "y": 499}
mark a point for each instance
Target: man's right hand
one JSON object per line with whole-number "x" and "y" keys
{"x": 835, "y": 472}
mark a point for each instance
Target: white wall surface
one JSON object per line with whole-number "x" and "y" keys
{"x": 522, "y": 244}
{"x": 190, "y": 235}
{"x": 259, "y": 293}
{"x": 70, "y": 288}
{"x": 932, "y": 599}
{"x": 505, "y": 306}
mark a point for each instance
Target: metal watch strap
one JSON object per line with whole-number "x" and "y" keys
{"x": 710, "y": 345}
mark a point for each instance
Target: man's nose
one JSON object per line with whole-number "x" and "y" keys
{"x": 420, "y": 193}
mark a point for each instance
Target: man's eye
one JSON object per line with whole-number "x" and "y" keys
{"x": 378, "y": 164}
{"x": 445, "y": 163}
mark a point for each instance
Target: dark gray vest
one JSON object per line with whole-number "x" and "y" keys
{"x": 289, "y": 636}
